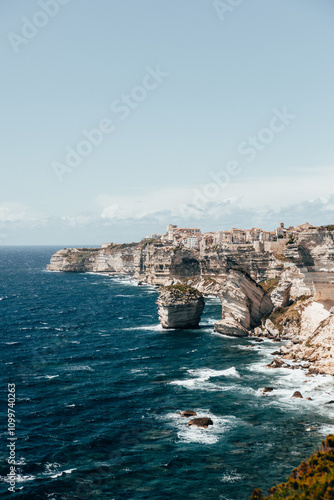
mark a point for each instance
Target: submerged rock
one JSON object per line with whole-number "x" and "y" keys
{"x": 297, "y": 394}
{"x": 267, "y": 389}
{"x": 188, "y": 413}
{"x": 180, "y": 307}
{"x": 201, "y": 422}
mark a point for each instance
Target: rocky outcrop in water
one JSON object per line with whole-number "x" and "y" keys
{"x": 188, "y": 413}
{"x": 201, "y": 422}
{"x": 180, "y": 306}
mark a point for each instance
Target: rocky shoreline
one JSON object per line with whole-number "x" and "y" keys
{"x": 284, "y": 297}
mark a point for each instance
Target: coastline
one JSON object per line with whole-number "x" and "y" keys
{"x": 191, "y": 383}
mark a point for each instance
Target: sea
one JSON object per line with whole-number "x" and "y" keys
{"x": 99, "y": 385}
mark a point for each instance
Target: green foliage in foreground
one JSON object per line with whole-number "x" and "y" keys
{"x": 312, "y": 480}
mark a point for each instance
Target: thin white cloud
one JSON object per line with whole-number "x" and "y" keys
{"x": 15, "y": 212}
{"x": 128, "y": 218}
{"x": 210, "y": 199}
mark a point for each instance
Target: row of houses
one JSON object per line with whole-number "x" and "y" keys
{"x": 193, "y": 238}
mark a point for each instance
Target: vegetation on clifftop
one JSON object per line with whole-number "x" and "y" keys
{"x": 178, "y": 291}
{"x": 184, "y": 293}
{"x": 269, "y": 285}
{"x": 312, "y": 480}
{"x": 285, "y": 316}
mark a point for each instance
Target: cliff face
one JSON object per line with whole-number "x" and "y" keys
{"x": 157, "y": 263}
{"x": 244, "y": 303}
{"x": 300, "y": 270}
{"x": 76, "y": 260}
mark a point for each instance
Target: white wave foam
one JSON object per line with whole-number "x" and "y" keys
{"x": 222, "y": 335}
{"x": 207, "y": 373}
{"x": 199, "y": 384}
{"x": 80, "y": 367}
{"x": 124, "y": 281}
{"x": 231, "y": 477}
{"x": 203, "y": 375}
{"x": 148, "y": 327}
{"x": 69, "y": 471}
{"x": 51, "y": 467}
{"x": 20, "y": 461}
{"x": 11, "y": 343}
{"x": 52, "y": 470}
{"x": 326, "y": 429}
{"x": 286, "y": 381}
{"x": 193, "y": 434}
{"x": 209, "y": 322}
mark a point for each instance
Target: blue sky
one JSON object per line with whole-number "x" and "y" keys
{"x": 201, "y": 83}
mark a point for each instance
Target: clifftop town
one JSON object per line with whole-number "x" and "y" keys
{"x": 193, "y": 238}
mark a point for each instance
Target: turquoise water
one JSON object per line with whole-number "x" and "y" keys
{"x": 99, "y": 386}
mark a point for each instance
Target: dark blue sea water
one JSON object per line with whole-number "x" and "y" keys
{"x": 99, "y": 385}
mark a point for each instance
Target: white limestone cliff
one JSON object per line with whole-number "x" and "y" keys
{"x": 180, "y": 307}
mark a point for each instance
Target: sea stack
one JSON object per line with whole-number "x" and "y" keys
{"x": 180, "y": 307}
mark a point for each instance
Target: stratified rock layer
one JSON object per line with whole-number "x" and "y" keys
{"x": 180, "y": 306}
{"x": 244, "y": 303}
{"x": 280, "y": 297}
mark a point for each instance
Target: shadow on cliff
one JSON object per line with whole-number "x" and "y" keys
{"x": 306, "y": 257}
{"x": 184, "y": 265}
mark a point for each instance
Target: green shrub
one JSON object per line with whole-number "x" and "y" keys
{"x": 312, "y": 480}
